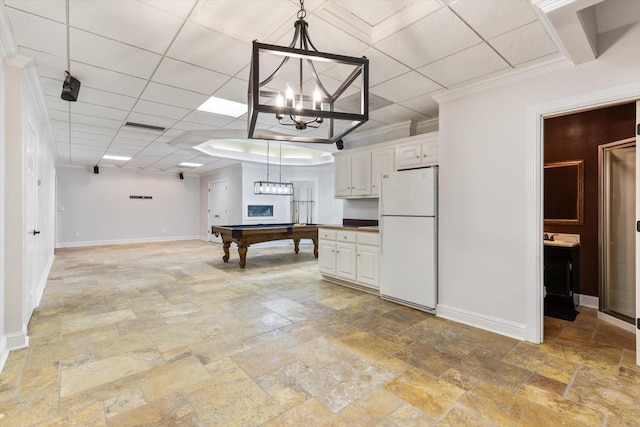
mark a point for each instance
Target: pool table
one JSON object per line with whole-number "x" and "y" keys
{"x": 245, "y": 235}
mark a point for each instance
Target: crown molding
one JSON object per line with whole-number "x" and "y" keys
{"x": 512, "y": 76}
{"x": 351, "y": 24}
{"x": 8, "y": 44}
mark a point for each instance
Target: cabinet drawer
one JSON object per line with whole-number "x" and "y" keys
{"x": 368, "y": 239}
{"x": 347, "y": 236}
{"x": 327, "y": 234}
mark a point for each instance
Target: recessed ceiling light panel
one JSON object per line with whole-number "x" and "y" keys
{"x": 191, "y": 165}
{"x": 223, "y": 107}
{"x": 121, "y": 158}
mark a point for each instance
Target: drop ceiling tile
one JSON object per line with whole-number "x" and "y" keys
{"x": 107, "y": 80}
{"x": 97, "y": 111}
{"x": 492, "y": 18}
{"x": 208, "y": 119}
{"x": 51, "y": 87}
{"x": 162, "y": 110}
{"x": 50, "y": 9}
{"x": 381, "y": 66}
{"x": 203, "y": 47}
{"x": 234, "y": 90}
{"x": 112, "y": 55}
{"x": 423, "y": 104}
{"x": 326, "y": 37}
{"x": 147, "y": 119}
{"x": 474, "y": 62}
{"x": 137, "y": 133}
{"x": 173, "y": 96}
{"x": 107, "y": 99}
{"x": 189, "y": 77}
{"x": 374, "y": 12}
{"x": 38, "y": 33}
{"x": 180, "y": 8}
{"x": 524, "y": 44}
{"x": 436, "y": 36}
{"x": 253, "y": 23}
{"x": 49, "y": 66}
{"x": 396, "y": 113}
{"x": 116, "y": 21}
{"x": 404, "y": 87}
{"x": 187, "y": 126}
{"x": 93, "y": 137}
{"x": 58, "y": 115}
{"x": 95, "y": 121}
{"x": 56, "y": 103}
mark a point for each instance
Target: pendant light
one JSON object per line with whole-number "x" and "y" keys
{"x": 276, "y": 188}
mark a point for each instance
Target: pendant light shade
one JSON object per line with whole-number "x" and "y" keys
{"x": 274, "y": 188}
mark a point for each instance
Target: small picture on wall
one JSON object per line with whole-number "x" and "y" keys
{"x": 260, "y": 211}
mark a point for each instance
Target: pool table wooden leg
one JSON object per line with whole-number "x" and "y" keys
{"x": 296, "y": 245}
{"x": 242, "y": 251}
{"x": 315, "y": 248}
{"x": 225, "y": 247}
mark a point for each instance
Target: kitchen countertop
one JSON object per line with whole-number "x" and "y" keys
{"x": 369, "y": 228}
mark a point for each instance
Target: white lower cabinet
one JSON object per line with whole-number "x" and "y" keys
{"x": 349, "y": 257}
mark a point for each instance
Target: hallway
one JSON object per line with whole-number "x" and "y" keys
{"x": 168, "y": 334}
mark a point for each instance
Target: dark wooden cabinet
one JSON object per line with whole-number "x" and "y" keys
{"x": 562, "y": 273}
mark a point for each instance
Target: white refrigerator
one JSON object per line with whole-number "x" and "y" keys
{"x": 409, "y": 240}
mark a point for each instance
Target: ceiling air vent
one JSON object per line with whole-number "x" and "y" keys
{"x": 143, "y": 126}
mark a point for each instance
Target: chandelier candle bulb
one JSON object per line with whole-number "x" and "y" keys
{"x": 289, "y": 95}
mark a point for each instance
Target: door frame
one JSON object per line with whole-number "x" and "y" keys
{"x": 534, "y": 163}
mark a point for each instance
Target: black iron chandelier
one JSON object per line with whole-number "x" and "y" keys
{"x": 290, "y": 101}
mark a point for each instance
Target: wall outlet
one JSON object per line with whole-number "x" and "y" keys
{"x": 77, "y": 234}
{"x": 164, "y": 230}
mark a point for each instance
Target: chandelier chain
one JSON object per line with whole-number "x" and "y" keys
{"x": 302, "y": 13}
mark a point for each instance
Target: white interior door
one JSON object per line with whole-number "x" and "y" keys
{"x": 30, "y": 256}
{"x": 218, "y": 206}
{"x": 637, "y": 316}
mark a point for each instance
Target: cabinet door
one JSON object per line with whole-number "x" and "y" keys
{"x": 361, "y": 174}
{"x": 342, "y": 166}
{"x": 367, "y": 265}
{"x": 327, "y": 257}
{"x": 430, "y": 153}
{"x": 408, "y": 156}
{"x": 381, "y": 162}
{"x": 346, "y": 261}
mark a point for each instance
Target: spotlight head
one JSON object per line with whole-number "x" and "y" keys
{"x": 339, "y": 144}
{"x": 181, "y": 175}
{"x": 70, "y": 88}
{"x": 96, "y": 169}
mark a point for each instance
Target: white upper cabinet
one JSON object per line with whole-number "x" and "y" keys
{"x": 357, "y": 171}
{"x": 419, "y": 153}
{"x": 382, "y": 161}
{"x": 361, "y": 173}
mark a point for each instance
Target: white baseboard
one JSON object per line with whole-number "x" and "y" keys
{"x": 589, "y": 301}
{"x": 482, "y": 321}
{"x": 17, "y": 340}
{"x": 124, "y": 241}
{"x": 4, "y": 352}
{"x": 617, "y": 322}
{"x": 43, "y": 281}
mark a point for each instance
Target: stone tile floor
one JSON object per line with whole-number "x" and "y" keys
{"x": 167, "y": 334}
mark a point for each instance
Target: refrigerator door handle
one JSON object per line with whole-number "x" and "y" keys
{"x": 381, "y": 234}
